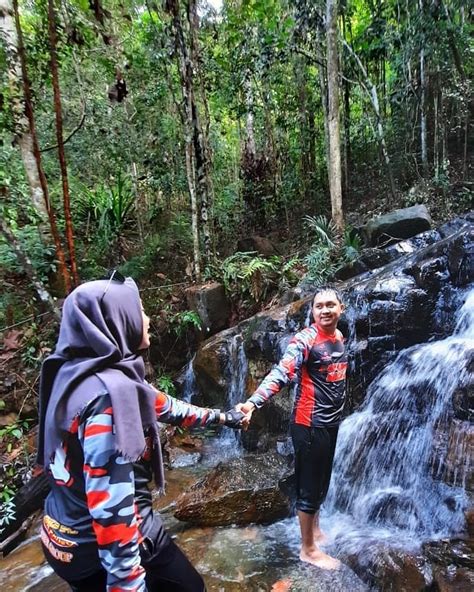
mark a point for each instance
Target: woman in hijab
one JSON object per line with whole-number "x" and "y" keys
{"x": 99, "y": 443}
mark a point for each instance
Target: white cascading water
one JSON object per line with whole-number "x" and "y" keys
{"x": 385, "y": 484}
{"x": 189, "y": 387}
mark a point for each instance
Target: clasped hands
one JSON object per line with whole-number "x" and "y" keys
{"x": 239, "y": 416}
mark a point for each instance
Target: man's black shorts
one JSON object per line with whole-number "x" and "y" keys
{"x": 314, "y": 455}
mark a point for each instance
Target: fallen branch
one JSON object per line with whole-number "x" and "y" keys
{"x": 29, "y": 499}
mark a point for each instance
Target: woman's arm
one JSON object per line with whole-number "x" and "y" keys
{"x": 110, "y": 492}
{"x": 176, "y": 412}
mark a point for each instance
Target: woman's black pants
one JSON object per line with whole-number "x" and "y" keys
{"x": 169, "y": 571}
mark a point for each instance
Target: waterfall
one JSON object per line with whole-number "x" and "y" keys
{"x": 392, "y": 453}
{"x": 188, "y": 382}
{"x": 237, "y": 369}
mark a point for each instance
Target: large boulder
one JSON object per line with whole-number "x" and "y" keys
{"x": 397, "y": 225}
{"x": 241, "y": 491}
{"x": 211, "y": 304}
{"x": 258, "y": 244}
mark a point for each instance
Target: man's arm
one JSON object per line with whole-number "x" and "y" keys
{"x": 295, "y": 355}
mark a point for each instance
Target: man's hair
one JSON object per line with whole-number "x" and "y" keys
{"x": 327, "y": 288}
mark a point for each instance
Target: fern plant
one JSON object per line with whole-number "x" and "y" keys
{"x": 246, "y": 274}
{"x": 324, "y": 229}
{"x": 319, "y": 264}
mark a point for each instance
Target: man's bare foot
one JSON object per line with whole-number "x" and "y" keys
{"x": 318, "y": 558}
{"x": 320, "y": 538}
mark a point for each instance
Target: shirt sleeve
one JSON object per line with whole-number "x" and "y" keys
{"x": 110, "y": 492}
{"x": 176, "y": 412}
{"x": 295, "y": 355}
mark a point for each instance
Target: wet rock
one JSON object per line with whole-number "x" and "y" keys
{"x": 463, "y": 402}
{"x": 453, "y": 579}
{"x": 396, "y": 225}
{"x": 210, "y": 366}
{"x": 178, "y": 458}
{"x": 268, "y": 422}
{"x": 211, "y": 304}
{"x": 309, "y": 578}
{"x": 431, "y": 273}
{"x": 461, "y": 258}
{"x": 469, "y": 514}
{"x": 242, "y": 491}
{"x": 453, "y": 451}
{"x": 352, "y": 269}
{"x": 393, "y": 570}
{"x": 458, "y": 552}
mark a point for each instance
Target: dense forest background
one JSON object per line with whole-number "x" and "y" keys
{"x": 154, "y": 136}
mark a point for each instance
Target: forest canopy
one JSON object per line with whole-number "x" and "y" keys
{"x": 155, "y": 135}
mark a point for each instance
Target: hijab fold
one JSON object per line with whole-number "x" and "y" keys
{"x": 97, "y": 351}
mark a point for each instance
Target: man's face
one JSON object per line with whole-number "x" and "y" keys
{"x": 326, "y": 310}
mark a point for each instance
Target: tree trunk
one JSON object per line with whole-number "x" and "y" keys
{"x": 347, "y": 126}
{"x": 250, "y": 146}
{"x": 324, "y": 98}
{"x": 22, "y": 131}
{"x": 423, "y": 105}
{"x": 423, "y": 115}
{"x": 185, "y": 74}
{"x": 60, "y": 141}
{"x": 29, "y": 270}
{"x": 25, "y": 125}
{"x": 201, "y": 145}
{"x": 333, "y": 115}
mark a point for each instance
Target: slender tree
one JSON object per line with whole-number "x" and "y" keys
{"x": 25, "y": 126}
{"x": 60, "y": 141}
{"x": 335, "y": 184}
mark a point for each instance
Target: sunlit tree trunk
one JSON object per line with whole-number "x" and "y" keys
{"x": 60, "y": 141}
{"x": 324, "y": 97}
{"x": 335, "y": 186}
{"x": 347, "y": 123}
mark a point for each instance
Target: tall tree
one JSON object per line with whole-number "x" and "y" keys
{"x": 335, "y": 179}
{"x": 60, "y": 140}
{"x": 25, "y": 128}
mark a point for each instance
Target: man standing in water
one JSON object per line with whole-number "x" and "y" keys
{"x": 316, "y": 360}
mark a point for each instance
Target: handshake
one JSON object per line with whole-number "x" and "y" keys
{"x": 238, "y": 417}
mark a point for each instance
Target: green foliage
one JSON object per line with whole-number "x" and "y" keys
{"x": 319, "y": 263}
{"x": 250, "y": 277}
{"x": 324, "y": 229}
{"x": 165, "y": 383}
{"x": 7, "y": 509}
{"x": 109, "y": 206}
{"x": 185, "y": 320}
{"x": 352, "y": 245}
{"x": 328, "y": 252}
{"x": 13, "y": 432}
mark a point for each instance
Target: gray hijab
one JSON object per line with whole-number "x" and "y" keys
{"x": 97, "y": 349}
